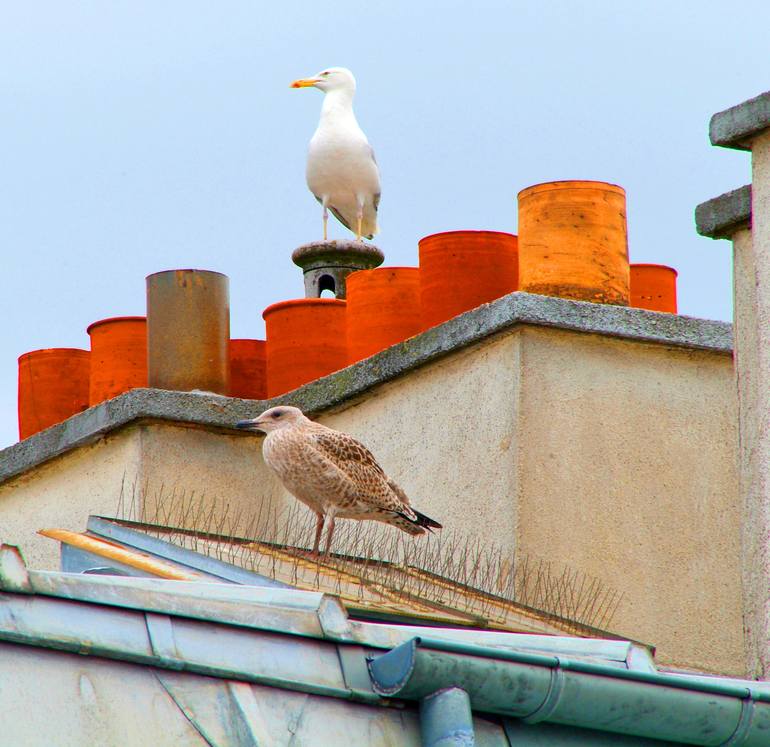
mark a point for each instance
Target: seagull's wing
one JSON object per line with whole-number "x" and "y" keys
{"x": 376, "y": 197}
{"x": 382, "y": 498}
{"x": 360, "y": 467}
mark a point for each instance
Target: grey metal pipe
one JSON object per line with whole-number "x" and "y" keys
{"x": 446, "y": 719}
{"x": 326, "y": 264}
{"x": 583, "y": 694}
{"x": 188, "y": 331}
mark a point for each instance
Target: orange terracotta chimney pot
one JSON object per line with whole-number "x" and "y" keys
{"x": 653, "y": 287}
{"x": 118, "y": 356}
{"x": 460, "y": 270}
{"x": 53, "y": 385}
{"x": 306, "y": 339}
{"x": 383, "y": 309}
{"x": 248, "y": 369}
{"x": 573, "y": 241}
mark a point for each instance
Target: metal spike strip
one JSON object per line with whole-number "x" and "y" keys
{"x": 447, "y": 573}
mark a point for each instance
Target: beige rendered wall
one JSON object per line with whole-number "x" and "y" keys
{"x": 63, "y": 492}
{"x": 183, "y": 464}
{"x": 628, "y": 472}
{"x": 447, "y": 434}
{"x": 612, "y": 457}
{"x": 752, "y": 322}
{"x": 615, "y": 458}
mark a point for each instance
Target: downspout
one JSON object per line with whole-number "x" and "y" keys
{"x": 446, "y": 719}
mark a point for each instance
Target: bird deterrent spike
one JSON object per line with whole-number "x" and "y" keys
{"x": 448, "y": 569}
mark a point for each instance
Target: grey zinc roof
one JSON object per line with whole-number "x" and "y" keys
{"x": 256, "y": 665}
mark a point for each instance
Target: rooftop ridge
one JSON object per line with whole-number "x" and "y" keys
{"x": 217, "y": 411}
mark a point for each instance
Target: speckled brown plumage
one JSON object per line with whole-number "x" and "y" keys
{"x": 332, "y": 473}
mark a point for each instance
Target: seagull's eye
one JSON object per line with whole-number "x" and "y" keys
{"x": 277, "y": 414}
{"x": 323, "y": 75}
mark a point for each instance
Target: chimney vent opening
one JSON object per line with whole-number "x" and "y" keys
{"x": 327, "y": 283}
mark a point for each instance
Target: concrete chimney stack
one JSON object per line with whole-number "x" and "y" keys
{"x": 326, "y": 264}
{"x": 743, "y": 216}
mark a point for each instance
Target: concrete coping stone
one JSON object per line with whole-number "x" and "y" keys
{"x": 737, "y": 126}
{"x": 721, "y": 217}
{"x": 213, "y": 411}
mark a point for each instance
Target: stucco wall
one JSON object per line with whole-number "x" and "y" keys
{"x": 610, "y": 457}
{"x": 615, "y": 458}
{"x": 446, "y": 434}
{"x": 752, "y": 259}
{"x": 628, "y": 473}
{"x": 62, "y": 493}
{"x": 186, "y": 465}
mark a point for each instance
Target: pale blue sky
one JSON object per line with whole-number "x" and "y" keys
{"x": 142, "y": 136}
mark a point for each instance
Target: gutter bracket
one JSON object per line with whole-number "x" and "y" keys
{"x": 745, "y": 722}
{"x": 548, "y": 706}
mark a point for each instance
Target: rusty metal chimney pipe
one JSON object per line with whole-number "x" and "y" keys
{"x": 188, "y": 330}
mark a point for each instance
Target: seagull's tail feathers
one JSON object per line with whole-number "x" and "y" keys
{"x": 426, "y": 521}
{"x": 420, "y": 524}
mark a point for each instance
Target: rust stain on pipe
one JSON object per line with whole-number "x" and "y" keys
{"x": 188, "y": 330}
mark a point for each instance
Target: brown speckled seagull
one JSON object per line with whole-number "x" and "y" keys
{"x": 332, "y": 473}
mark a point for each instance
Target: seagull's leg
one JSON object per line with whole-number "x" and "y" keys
{"x": 359, "y": 217}
{"x": 329, "y": 534}
{"x": 319, "y": 527}
{"x": 325, "y": 203}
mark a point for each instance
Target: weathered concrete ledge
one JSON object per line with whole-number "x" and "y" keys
{"x": 721, "y": 217}
{"x": 215, "y": 411}
{"x": 737, "y": 126}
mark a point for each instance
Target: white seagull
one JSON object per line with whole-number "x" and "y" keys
{"x": 341, "y": 170}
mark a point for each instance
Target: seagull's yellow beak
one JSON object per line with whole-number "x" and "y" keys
{"x": 304, "y": 83}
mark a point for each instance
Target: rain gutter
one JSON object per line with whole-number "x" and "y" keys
{"x": 541, "y": 688}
